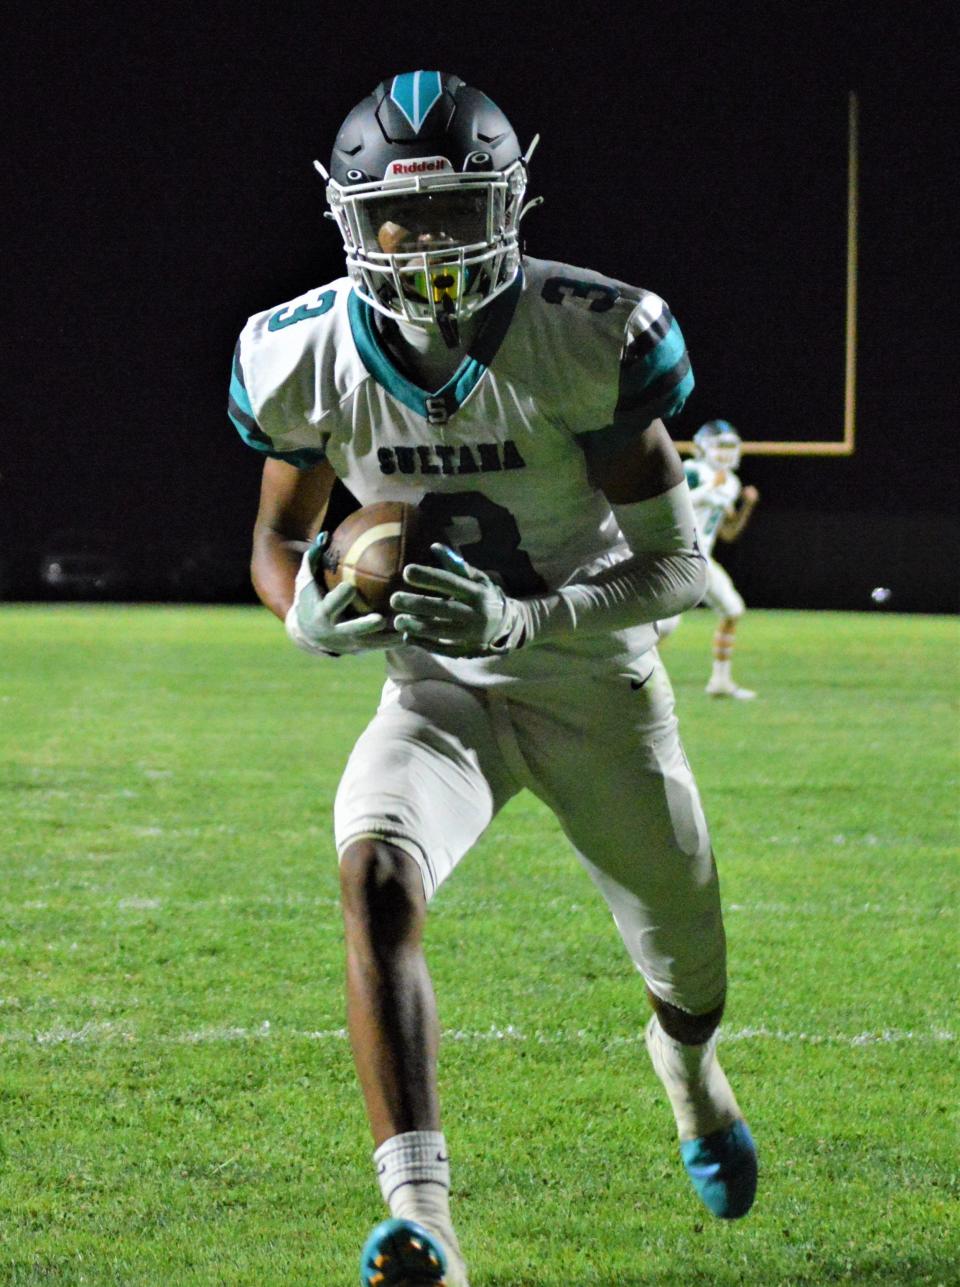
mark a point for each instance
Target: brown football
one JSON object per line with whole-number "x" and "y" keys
{"x": 370, "y": 549}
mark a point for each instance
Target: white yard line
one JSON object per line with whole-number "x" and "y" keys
{"x": 104, "y": 1033}
{"x": 456, "y": 905}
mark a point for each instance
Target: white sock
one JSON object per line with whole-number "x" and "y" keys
{"x": 721, "y": 672}
{"x": 414, "y": 1174}
{"x": 696, "y": 1085}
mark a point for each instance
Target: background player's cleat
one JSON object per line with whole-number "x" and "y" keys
{"x": 723, "y": 1168}
{"x": 400, "y": 1253}
{"x": 727, "y": 688}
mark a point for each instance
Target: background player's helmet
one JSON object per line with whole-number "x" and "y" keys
{"x": 718, "y": 443}
{"x": 426, "y": 184}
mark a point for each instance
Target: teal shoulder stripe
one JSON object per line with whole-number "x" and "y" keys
{"x": 253, "y": 436}
{"x": 666, "y": 355}
{"x": 664, "y": 397}
{"x": 240, "y": 411}
{"x": 681, "y": 392}
{"x": 240, "y": 396}
{"x": 659, "y": 383}
{"x": 238, "y": 388}
{"x": 249, "y": 430}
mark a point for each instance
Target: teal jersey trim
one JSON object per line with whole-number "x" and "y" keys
{"x": 663, "y": 358}
{"x": 658, "y": 383}
{"x": 238, "y": 390}
{"x": 449, "y": 398}
{"x": 655, "y": 382}
{"x": 240, "y": 411}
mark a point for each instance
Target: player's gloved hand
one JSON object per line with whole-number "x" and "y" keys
{"x": 314, "y": 619}
{"x": 463, "y": 614}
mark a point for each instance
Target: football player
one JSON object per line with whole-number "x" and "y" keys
{"x": 722, "y": 508}
{"x": 520, "y": 403}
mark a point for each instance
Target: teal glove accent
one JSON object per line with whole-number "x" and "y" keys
{"x": 314, "y": 621}
{"x": 463, "y": 614}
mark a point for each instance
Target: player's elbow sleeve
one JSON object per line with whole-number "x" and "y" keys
{"x": 668, "y": 584}
{"x": 641, "y": 590}
{"x": 662, "y": 533}
{"x": 691, "y": 580}
{"x": 665, "y": 575}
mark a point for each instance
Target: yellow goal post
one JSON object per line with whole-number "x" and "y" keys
{"x": 843, "y": 446}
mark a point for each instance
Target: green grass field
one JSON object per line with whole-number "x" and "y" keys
{"x": 177, "y": 1101}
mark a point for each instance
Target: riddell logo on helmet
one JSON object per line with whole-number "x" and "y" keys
{"x": 423, "y": 165}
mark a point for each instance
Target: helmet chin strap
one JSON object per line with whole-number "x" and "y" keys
{"x": 429, "y": 351}
{"x": 447, "y": 322}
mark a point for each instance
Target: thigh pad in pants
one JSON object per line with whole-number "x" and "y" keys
{"x": 426, "y": 774}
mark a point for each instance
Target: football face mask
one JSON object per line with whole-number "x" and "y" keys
{"x": 724, "y": 452}
{"x": 435, "y": 249}
{"x": 719, "y": 444}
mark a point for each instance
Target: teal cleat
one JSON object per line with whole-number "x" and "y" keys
{"x": 723, "y": 1168}
{"x": 400, "y": 1253}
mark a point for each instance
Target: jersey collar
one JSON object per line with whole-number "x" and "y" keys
{"x": 486, "y": 343}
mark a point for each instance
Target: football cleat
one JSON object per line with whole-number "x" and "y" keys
{"x": 401, "y": 1253}
{"x": 723, "y": 1169}
{"x": 727, "y": 688}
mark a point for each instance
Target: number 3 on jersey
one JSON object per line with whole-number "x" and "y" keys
{"x": 496, "y": 549}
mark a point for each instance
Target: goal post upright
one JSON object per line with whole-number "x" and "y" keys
{"x": 850, "y": 337}
{"x": 843, "y": 446}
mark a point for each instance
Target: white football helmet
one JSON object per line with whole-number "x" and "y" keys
{"x": 719, "y": 444}
{"x": 426, "y": 184}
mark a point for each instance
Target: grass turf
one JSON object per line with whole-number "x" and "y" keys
{"x": 177, "y": 1101}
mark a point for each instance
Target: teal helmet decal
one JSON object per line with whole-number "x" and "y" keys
{"x": 415, "y": 93}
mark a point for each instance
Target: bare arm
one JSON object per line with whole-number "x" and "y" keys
{"x": 637, "y": 469}
{"x": 292, "y": 505}
{"x": 734, "y": 522}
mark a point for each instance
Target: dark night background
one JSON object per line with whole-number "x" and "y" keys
{"x": 160, "y": 189}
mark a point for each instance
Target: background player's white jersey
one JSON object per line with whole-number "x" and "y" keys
{"x": 714, "y": 492}
{"x": 494, "y": 458}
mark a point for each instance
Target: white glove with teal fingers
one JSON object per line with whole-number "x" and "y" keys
{"x": 314, "y": 622}
{"x": 463, "y": 614}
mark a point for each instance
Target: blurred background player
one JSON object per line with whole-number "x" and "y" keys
{"x": 722, "y": 508}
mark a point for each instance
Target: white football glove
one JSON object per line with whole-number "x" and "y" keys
{"x": 463, "y": 614}
{"x": 313, "y": 621}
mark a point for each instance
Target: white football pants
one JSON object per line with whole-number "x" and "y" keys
{"x": 721, "y": 594}
{"x": 439, "y": 760}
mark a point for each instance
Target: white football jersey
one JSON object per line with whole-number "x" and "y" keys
{"x": 714, "y": 492}
{"x": 494, "y": 458}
